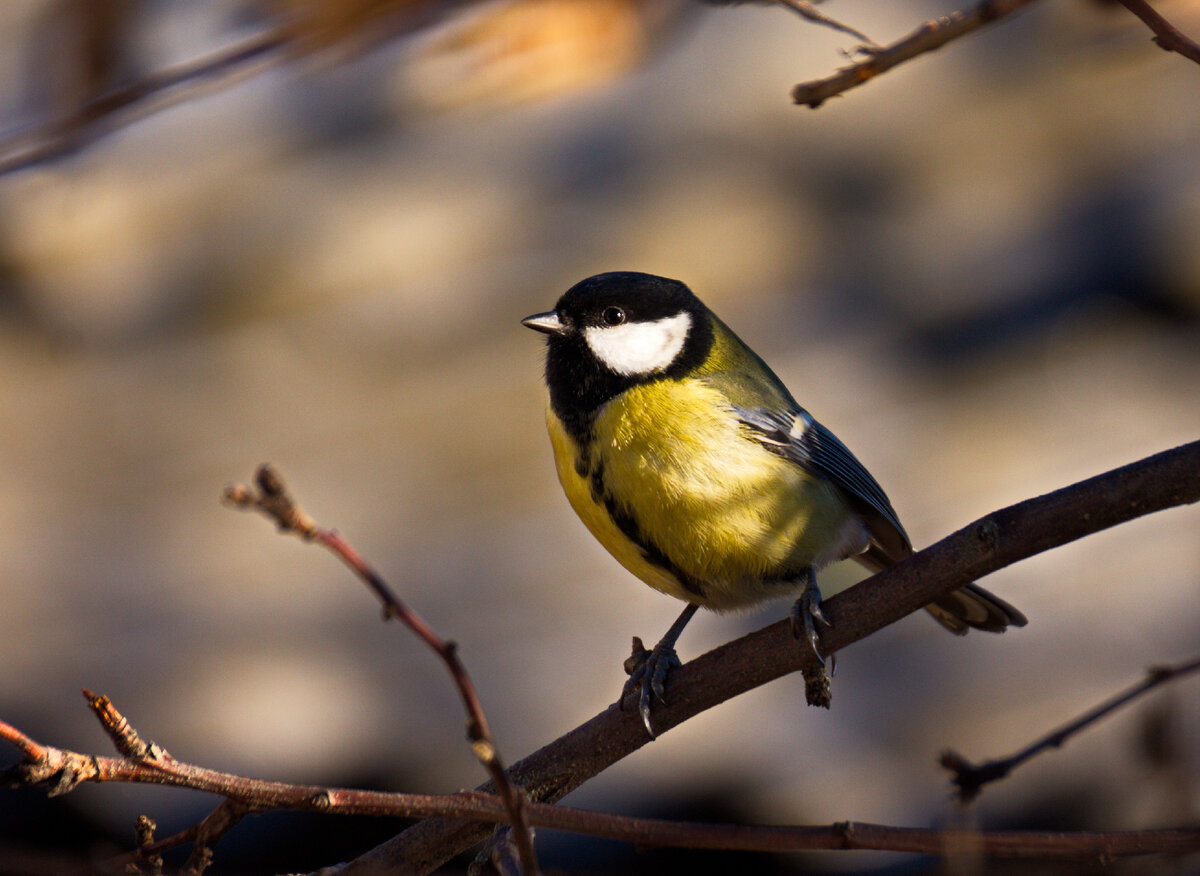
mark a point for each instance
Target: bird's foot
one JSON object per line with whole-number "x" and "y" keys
{"x": 806, "y": 616}
{"x": 647, "y": 672}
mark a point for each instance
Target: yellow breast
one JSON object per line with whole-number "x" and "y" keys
{"x": 679, "y": 494}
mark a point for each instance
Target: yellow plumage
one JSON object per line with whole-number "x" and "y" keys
{"x": 688, "y": 459}
{"x": 739, "y": 519}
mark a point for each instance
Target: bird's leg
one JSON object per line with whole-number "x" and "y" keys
{"x": 806, "y": 615}
{"x": 648, "y": 669}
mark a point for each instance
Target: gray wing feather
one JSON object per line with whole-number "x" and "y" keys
{"x": 795, "y": 435}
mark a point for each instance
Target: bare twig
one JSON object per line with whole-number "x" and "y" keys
{"x": 124, "y": 738}
{"x": 105, "y": 112}
{"x": 929, "y": 36}
{"x": 62, "y": 770}
{"x": 970, "y": 778}
{"x": 274, "y": 500}
{"x": 815, "y": 15}
{"x": 245, "y": 795}
{"x": 144, "y": 830}
{"x": 1166, "y": 34}
{"x": 209, "y": 831}
{"x": 1164, "y": 480}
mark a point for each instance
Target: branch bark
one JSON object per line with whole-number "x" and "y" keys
{"x": 929, "y": 36}
{"x": 1165, "y": 480}
{"x": 243, "y": 795}
{"x": 1166, "y": 35}
{"x": 1162, "y": 481}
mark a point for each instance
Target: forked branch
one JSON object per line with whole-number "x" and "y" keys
{"x": 243, "y": 796}
{"x": 929, "y": 36}
{"x": 874, "y": 60}
{"x": 1166, "y": 480}
{"x": 273, "y": 499}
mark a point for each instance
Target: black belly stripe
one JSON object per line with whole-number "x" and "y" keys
{"x": 629, "y": 527}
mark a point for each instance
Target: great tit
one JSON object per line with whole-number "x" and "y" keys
{"x": 689, "y": 460}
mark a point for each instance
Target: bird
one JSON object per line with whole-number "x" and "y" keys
{"x": 692, "y": 464}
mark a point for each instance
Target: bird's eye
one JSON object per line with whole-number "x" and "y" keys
{"x": 613, "y": 316}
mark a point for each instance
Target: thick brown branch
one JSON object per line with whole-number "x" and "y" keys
{"x": 1162, "y": 481}
{"x": 867, "y": 837}
{"x": 929, "y": 36}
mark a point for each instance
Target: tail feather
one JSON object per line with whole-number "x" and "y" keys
{"x": 970, "y": 607}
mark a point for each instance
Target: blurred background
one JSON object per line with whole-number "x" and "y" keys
{"x": 982, "y": 271}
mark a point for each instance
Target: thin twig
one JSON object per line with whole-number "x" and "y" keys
{"x": 970, "y": 778}
{"x": 245, "y": 795}
{"x": 809, "y": 11}
{"x": 144, "y": 830}
{"x": 274, "y": 500}
{"x": 1165, "y": 480}
{"x": 209, "y": 831}
{"x": 104, "y": 113}
{"x": 1166, "y": 34}
{"x": 124, "y": 738}
{"x": 929, "y": 36}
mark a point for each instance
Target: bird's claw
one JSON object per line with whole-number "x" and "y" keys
{"x": 647, "y": 672}
{"x": 806, "y": 615}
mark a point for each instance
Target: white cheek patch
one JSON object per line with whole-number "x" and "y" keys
{"x": 637, "y": 348}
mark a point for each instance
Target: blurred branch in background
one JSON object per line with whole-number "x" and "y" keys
{"x": 81, "y": 96}
{"x": 929, "y": 36}
{"x": 1166, "y": 34}
{"x": 563, "y": 45}
{"x": 970, "y": 778}
{"x": 809, "y": 11}
{"x": 89, "y": 80}
{"x": 935, "y": 34}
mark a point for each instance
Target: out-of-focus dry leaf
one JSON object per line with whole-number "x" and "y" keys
{"x": 524, "y": 50}
{"x": 318, "y": 25}
{"x": 506, "y": 51}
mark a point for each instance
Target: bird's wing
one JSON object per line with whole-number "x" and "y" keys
{"x": 796, "y": 436}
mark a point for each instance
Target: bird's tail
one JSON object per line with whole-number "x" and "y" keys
{"x": 970, "y": 607}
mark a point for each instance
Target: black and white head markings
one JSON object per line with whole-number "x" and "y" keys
{"x": 616, "y": 330}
